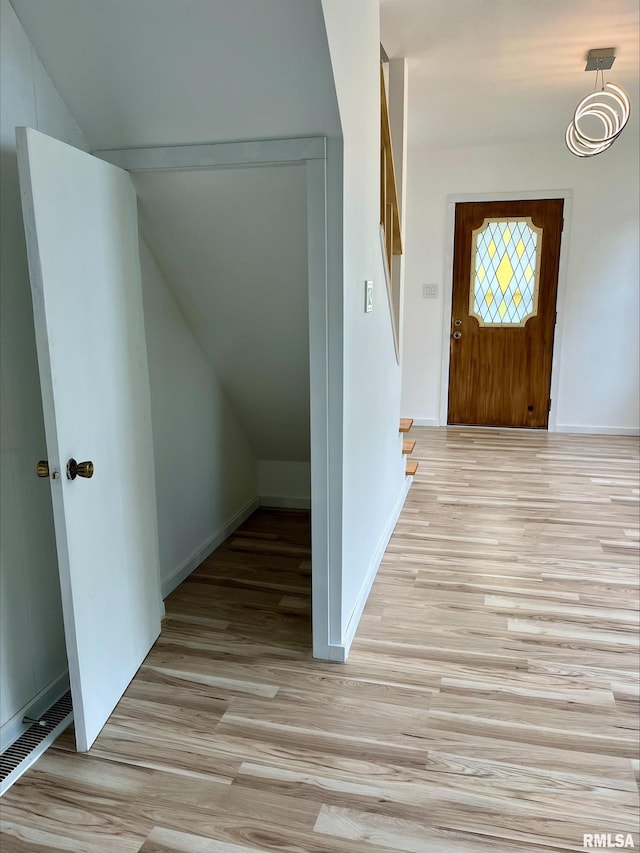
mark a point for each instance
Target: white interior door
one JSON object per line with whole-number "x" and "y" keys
{"x": 82, "y": 242}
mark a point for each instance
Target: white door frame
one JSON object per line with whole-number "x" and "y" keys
{"x": 326, "y": 466}
{"x": 447, "y": 295}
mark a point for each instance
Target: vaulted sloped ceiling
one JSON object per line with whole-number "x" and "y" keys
{"x": 169, "y": 72}
{"x": 233, "y": 243}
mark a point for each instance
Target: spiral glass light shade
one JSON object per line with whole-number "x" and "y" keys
{"x": 611, "y": 107}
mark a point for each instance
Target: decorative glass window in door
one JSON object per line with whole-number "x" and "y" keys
{"x": 505, "y": 271}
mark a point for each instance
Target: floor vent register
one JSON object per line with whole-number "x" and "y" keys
{"x": 34, "y": 741}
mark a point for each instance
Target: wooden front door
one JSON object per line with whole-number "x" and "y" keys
{"x": 505, "y": 280}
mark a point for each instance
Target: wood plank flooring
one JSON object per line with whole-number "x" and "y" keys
{"x": 489, "y": 705}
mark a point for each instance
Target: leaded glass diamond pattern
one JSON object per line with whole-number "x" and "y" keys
{"x": 504, "y": 271}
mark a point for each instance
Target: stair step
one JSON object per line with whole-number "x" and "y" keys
{"x": 408, "y": 445}
{"x": 412, "y": 467}
{"x": 406, "y": 424}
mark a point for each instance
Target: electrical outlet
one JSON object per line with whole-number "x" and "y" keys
{"x": 368, "y": 296}
{"x": 429, "y": 291}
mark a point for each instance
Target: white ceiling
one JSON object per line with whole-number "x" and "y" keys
{"x": 155, "y": 72}
{"x": 233, "y": 246}
{"x": 485, "y": 72}
{"x": 170, "y": 72}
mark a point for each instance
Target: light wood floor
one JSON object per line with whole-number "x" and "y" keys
{"x": 490, "y": 703}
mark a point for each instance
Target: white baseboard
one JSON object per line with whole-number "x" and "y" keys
{"x": 430, "y": 422}
{"x": 208, "y": 547}
{"x": 340, "y": 651}
{"x": 275, "y": 501}
{"x": 597, "y": 430}
{"x": 35, "y": 707}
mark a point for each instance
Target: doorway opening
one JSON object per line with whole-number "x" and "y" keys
{"x": 229, "y": 246}
{"x": 306, "y": 156}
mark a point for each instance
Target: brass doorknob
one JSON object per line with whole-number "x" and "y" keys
{"x": 42, "y": 468}
{"x": 79, "y": 469}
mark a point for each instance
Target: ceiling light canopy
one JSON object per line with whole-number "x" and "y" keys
{"x": 605, "y": 110}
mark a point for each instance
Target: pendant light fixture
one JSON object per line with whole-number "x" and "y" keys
{"x": 609, "y": 106}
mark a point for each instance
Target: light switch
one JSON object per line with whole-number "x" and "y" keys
{"x": 429, "y": 291}
{"x": 368, "y": 296}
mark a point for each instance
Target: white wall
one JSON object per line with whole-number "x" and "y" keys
{"x": 598, "y": 362}
{"x": 206, "y": 473}
{"x": 284, "y": 484}
{"x": 373, "y": 467}
{"x": 33, "y": 660}
{"x": 398, "y": 102}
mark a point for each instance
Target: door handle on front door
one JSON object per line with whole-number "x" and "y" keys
{"x": 79, "y": 469}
